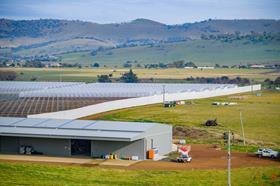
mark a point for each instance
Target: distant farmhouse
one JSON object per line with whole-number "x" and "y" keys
{"x": 205, "y": 67}
{"x": 188, "y": 67}
{"x": 257, "y": 66}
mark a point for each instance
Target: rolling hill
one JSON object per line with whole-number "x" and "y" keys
{"x": 201, "y": 52}
{"x": 143, "y": 40}
{"x": 138, "y": 29}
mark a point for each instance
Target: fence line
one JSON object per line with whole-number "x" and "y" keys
{"x": 133, "y": 102}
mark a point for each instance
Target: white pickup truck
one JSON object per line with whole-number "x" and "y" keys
{"x": 267, "y": 153}
{"x": 184, "y": 159}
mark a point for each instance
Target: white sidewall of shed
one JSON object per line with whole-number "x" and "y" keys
{"x": 133, "y": 102}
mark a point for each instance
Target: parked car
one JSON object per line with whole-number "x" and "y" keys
{"x": 267, "y": 153}
{"x": 184, "y": 159}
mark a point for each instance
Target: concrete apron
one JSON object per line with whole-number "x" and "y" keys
{"x": 66, "y": 160}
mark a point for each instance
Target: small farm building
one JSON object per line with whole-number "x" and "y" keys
{"x": 60, "y": 137}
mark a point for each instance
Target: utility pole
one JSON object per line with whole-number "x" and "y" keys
{"x": 252, "y": 91}
{"x": 229, "y": 156}
{"x": 242, "y": 128}
{"x": 163, "y": 94}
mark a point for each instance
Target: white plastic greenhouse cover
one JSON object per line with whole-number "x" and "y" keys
{"x": 140, "y": 101}
{"x": 121, "y": 90}
{"x": 22, "y": 86}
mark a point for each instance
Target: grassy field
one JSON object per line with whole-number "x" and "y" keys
{"x": 160, "y": 75}
{"x": 201, "y": 52}
{"x": 261, "y": 116}
{"x": 36, "y": 174}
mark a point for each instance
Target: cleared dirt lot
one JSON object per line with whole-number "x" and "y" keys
{"x": 204, "y": 157}
{"x": 207, "y": 157}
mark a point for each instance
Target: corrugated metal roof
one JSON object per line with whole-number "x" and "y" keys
{"x": 82, "y": 129}
{"x": 71, "y": 134}
{"x": 9, "y": 120}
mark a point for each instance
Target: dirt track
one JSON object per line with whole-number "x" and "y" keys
{"x": 207, "y": 157}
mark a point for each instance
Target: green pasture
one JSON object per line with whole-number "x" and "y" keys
{"x": 261, "y": 116}
{"x": 201, "y": 52}
{"x": 36, "y": 174}
{"x": 170, "y": 75}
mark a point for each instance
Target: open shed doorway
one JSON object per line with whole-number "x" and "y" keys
{"x": 80, "y": 147}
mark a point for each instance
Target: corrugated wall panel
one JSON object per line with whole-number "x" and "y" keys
{"x": 122, "y": 149}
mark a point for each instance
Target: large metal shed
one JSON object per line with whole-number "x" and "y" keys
{"x": 60, "y": 137}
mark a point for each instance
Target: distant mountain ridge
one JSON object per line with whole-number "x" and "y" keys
{"x": 53, "y": 36}
{"x": 137, "y": 29}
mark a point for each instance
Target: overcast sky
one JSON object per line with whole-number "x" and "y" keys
{"x": 116, "y": 11}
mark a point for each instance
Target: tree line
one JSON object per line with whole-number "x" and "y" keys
{"x": 219, "y": 80}
{"x": 128, "y": 77}
{"x": 131, "y": 77}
